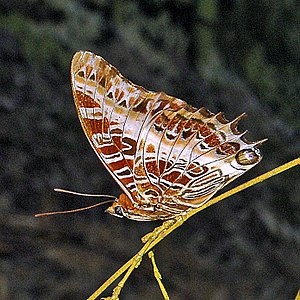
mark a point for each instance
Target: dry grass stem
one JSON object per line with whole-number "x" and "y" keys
{"x": 158, "y": 234}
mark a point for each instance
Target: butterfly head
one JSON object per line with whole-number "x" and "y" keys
{"x": 120, "y": 206}
{"x": 116, "y": 210}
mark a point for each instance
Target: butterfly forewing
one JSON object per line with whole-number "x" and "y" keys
{"x": 167, "y": 156}
{"x": 103, "y": 99}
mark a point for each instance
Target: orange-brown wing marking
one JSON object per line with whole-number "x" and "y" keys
{"x": 103, "y": 97}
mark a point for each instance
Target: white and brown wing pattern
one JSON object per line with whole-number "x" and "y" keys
{"x": 167, "y": 156}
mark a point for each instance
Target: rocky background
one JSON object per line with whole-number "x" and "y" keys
{"x": 231, "y": 56}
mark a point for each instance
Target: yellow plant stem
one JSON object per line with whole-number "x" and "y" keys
{"x": 133, "y": 263}
{"x": 129, "y": 266}
{"x": 159, "y": 233}
{"x": 158, "y": 276}
{"x": 298, "y": 295}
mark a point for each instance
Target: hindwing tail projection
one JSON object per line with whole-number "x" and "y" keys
{"x": 167, "y": 156}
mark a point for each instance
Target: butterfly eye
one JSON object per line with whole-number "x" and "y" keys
{"x": 248, "y": 157}
{"x": 119, "y": 211}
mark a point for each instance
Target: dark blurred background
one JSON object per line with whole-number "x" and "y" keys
{"x": 231, "y": 56}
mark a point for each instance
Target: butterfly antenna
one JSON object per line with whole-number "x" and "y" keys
{"x": 72, "y": 210}
{"x": 77, "y": 209}
{"x": 82, "y": 194}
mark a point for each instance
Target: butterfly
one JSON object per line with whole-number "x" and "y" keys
{"x": 167, "y": 156}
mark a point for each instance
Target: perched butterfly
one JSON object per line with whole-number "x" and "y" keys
{"x": 167, "y": 156}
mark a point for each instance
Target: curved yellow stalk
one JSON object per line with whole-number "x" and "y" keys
{"x": 167, "y": 227}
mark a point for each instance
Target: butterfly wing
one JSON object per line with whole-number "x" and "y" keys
{"x": 166, "y": 155}
{"x": 104, "y": 101}
{"x": 112, "y": 112}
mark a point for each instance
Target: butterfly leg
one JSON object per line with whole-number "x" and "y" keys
{"x": 151, "y": 236}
